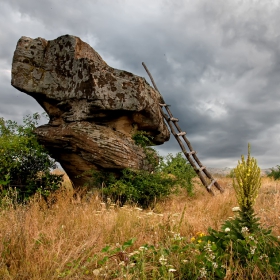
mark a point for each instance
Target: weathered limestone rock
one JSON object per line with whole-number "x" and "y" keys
{"x": 94, "y": 109}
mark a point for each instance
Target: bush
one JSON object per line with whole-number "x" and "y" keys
{"x": 275, "y": 173}
{"x": 133, "y": 186}
{"x": 143, "y": 187}
{"x": 180, "y": 168}
{"x": 24, "y": 164}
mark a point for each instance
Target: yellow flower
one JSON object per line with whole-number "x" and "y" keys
{"x": 192, "y": 239}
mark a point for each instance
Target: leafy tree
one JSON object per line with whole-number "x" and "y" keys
{"x": 24, "y": 164}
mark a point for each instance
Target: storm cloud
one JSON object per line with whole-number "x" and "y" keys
{"x": 216, "y": 62}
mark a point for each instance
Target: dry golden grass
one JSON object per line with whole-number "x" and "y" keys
{"x": 38, "y": 242}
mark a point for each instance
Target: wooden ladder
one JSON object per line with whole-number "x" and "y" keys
{"x": 191, "y": 156}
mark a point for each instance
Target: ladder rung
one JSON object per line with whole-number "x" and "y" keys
{"x": 164, "y": 105}
{"x": 201, "y": 168}
{"x": 191, "y": 152}
{"x": 173, "y": 119}
{"x": 181, "y": 133}
{"x": 212, "y": 183}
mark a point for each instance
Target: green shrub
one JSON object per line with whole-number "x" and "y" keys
{"x": 275, "y": 173}
{"x": 180, "y": 168}
{"x": 140, "y": 187}
{"x": 143, "y": 187}
{"x": 133, "y": 186}
{"x": 24, "y": 164}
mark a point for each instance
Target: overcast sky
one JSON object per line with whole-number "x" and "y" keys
{"x": 216, "y": 62}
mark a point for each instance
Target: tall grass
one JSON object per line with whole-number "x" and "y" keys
{"x": 67, "y": 238}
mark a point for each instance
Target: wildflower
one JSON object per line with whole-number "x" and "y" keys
{"x": 142, "y": 248}
{"x": 227, "y": 229}
{"x": 251, "y": 237}
{"x": 177, "y": 236}
{"x": 162, "y": 260}
{"x": 215, "y": 265}
{"x": 133, "y": 253}
{"x": 96, "y": 271}
{"x": 235, "y": 209}
{"x": 171, "y": 269}
{"x": 264, "y": 256}
{"x": 203, "y": 272}
{"x": 244, "y": 229}
{"x": 207, "y": 247}
{"x": 253, "y": 249}
{"x": 192, "y": 239}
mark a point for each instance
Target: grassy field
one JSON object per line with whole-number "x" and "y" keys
{"x": 84, "y": 238}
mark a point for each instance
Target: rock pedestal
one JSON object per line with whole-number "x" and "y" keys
{"x": 94, "y": 109}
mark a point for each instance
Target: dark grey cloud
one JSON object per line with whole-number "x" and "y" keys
{"x": 216, "y": 62}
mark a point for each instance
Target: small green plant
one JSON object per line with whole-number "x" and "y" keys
{"x": 142, "y": 139}
{"x": 274, "y": 173}
{"x": 241, "y": 242}
{"x": 231, "y": 174}
{"x": 24, "y": 164}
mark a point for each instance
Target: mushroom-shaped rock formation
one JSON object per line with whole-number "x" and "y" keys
{"x": 94, "y": 109}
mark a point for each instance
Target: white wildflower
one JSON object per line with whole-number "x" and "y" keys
{"x": 264, "y": 256}
{"x": 96, "y": 271}
{"x": 171, "y": 269}
{"x": 177, "y": 236}
{"x": 133, "y": 253}
{"x": 253, "y": 250}
{"x": 227, "y": 229}
{"x": 142, "y": 248}
{"x": 215, "y": 265}
{"x": 162, "y": 260}
{"x": 203, "y": 272}
{"x": 244, "y": 229}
